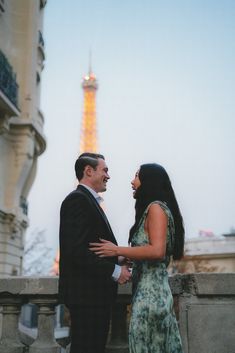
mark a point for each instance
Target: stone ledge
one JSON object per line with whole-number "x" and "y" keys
{"x": 199, "y": 284}
{"x": 29, "y": 285}
{"x": 215, "y": 284}
{"x": 203, "y": 284}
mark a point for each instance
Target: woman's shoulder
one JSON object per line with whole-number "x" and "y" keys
{"x": 160, "y": 207}
{"x": 166, "y": 210}
{"x": 156, "y": 211}
{"x": 157, "y": 205}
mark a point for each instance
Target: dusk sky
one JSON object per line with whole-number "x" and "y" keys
{"x": 166, "y": 94}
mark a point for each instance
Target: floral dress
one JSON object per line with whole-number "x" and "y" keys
{"x": 153, "y": 326}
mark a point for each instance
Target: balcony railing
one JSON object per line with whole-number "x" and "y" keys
{"x": 204, "y": 305}
{"x": 24, "y": 205}
{"x": 2, "y": 9}
{"x": 8, "y": 84}
{"x": 40, "y": 39}
{"x": 42, "y": 3}
{"x": 41, "y": 49}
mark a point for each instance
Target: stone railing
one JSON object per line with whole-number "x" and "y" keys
{"x": 204, "y": 305}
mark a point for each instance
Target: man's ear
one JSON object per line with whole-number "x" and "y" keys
{"x": 88, "y": 170}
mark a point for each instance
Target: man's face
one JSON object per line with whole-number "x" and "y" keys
{"x": 99, "y": 176}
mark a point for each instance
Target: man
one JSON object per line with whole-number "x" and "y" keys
{"x": 87, "y": 283}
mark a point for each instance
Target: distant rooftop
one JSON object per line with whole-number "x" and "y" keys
{"x": 217, "y": 245}
{"x": 229, "y": 234}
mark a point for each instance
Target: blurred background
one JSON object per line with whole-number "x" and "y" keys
{"x": 166, "y": 94}
{"x": 166, "y": 77}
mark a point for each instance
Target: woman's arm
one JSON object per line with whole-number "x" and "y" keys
{"x": 155, "y": 227}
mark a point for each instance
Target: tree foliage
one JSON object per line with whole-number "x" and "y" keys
{"x": 38, "y": 257}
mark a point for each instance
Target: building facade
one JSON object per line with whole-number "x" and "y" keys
{"x": 21, "y": 121}
{"x": 207, "y": 254}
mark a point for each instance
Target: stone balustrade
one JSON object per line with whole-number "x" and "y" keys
{"x": 204, "y": 305}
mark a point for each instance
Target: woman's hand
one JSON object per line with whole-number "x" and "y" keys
{"x": 104, "y": 249}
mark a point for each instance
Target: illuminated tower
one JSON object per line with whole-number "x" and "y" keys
{"x": 88, "y": 137}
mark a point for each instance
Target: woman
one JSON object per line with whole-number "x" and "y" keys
{"x": 157, "y": 234}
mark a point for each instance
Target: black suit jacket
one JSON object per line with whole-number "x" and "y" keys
{"x": 84, "y": 278}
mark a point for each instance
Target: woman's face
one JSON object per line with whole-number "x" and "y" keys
{"x": 135, "y": 183}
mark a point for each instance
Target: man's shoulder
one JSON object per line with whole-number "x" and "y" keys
{"x": 79, "y": 194}
{"x": 74, "y": 195}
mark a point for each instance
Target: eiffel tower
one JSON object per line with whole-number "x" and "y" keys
{"x": 88, "y": 136}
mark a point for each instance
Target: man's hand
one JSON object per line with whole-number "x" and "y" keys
{"x": 125, "y": 275}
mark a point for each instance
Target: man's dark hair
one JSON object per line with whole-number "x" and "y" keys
{"x": 85, "y": 159}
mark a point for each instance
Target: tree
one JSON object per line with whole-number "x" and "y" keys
{"x": 38, "y": 257}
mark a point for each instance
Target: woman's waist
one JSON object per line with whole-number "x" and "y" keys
{"x": 153, "y": 265}
{"x": 153, "y": 271}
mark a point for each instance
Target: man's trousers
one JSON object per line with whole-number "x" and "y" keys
{"x": 89, "y": 327}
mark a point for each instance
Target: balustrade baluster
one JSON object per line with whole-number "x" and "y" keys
{"x": 45, "y": 341}
{"x": 10, "y": 339}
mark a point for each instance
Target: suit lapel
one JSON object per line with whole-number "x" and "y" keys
{"x": 97, "y": 206}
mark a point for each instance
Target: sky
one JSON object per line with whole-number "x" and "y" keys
{"x": 166, "y": 75}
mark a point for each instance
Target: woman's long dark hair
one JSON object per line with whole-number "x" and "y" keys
{"x": 156, "y": 186}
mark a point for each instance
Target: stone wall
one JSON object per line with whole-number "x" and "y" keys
{"x": 204, "y": 304}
